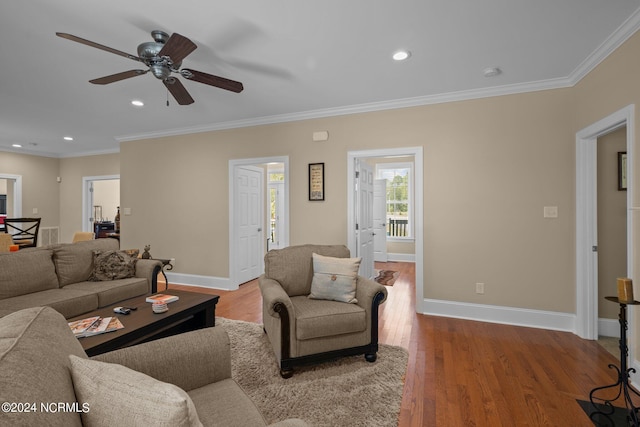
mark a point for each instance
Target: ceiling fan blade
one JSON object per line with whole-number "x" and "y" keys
{"x": 212, "y": 80}
{"x": 177, "y": 48}
{"x": 98, "y": 46}
{"x": 178, "y": 91}
{"x": 117, "y": 77}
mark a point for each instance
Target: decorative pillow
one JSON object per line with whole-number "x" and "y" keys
{"x": 112, "y": 265}
{"x": 133, "y": 253}
{"x": 334, "y": 278}
{"x": 116, "y": 395}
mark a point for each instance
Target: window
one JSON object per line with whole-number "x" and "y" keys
{"x": 399, "y": 197}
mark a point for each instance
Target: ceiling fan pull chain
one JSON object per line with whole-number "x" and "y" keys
{"x": 167, "y": 97}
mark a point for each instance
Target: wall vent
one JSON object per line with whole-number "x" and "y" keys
{"x": 48, "y": 236}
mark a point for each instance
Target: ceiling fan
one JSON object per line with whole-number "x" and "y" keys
{"x": 163, "y": 57}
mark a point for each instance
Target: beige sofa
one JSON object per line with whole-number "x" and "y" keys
{"x": 57, "y": 276}
{"x": 36, "y": 370}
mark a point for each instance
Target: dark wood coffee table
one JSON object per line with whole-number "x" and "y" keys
{"x": 192, "y": 311}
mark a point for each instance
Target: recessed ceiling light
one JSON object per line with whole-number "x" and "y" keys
{"x": 137, "y": 103}
{"x": 491, "y": 71}
{"x": 401, "y": 55}
{"x": 68, "y": 138}
{"x": 16, "y": 145}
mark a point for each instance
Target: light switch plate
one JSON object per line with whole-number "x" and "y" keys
{"x": 551, "y": 212}
{"x": 127, "y": 211}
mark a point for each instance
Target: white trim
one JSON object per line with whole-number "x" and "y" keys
{"x": 401, "y": 257}
{"x": 418, "y": 174}
{"x": 86, "y": 210}
{"x": 586, "y": 223}
{"x": 608, "y": 328}
{"x": 210, "y": 282}
{"x": 17, "y": 193}
{"x": 499, "y": 314}
{"x": 233, "y": 281}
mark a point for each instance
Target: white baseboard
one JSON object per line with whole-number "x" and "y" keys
{"x": 211, "y": 282}
{"x": 609, "y": 327}
{"x": 498, "y": 314}
{"x": 401, "y": 257}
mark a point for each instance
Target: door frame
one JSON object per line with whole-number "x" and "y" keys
{"x": 233, "y": 164}
{"x": 17, "y": 193}
{"x": 418, "y": 175}
{"x": 586, "y": 220}
{"x": 86, "y": 200}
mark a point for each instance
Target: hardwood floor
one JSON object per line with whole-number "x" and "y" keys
{"x": 467, "y": 373}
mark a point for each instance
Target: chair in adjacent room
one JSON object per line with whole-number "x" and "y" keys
{"x": 24, "y": 231}
{"x": 306, "y": 325}
{"x": 81, "y": 236}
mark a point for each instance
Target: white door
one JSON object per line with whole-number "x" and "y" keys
{"x": 364, "y": 220}
{"x": 249, "y": 222}
{"x": 380, "y": 220}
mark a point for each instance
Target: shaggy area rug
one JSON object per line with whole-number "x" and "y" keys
{"x": 386, "y": 277}
{"x": 346, "y": 392}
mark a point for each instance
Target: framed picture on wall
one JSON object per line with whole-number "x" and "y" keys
{"x": 316, "y": 181}
{"x": 622, "y": 171}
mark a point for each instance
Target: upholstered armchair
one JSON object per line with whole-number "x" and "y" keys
{"x": 306, "y": 330}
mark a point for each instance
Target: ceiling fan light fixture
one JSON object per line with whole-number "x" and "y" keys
{"x": 401, "y": 55}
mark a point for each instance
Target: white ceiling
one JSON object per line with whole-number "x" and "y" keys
{"x": 297, "y": 59}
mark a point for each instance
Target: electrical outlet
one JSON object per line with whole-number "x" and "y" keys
{"x": 479, "y": 288}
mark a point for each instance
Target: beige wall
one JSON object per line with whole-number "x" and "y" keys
{"x": 40, "y": 190}
{"x": 72, "y": 170}
{"x": 612, "y": 221}
{"x": 490, "y": 167}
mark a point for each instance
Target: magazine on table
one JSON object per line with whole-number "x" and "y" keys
{"x": 100, "y": 326}
{"x": 162, "y": 298}
{"x": 80, "y": 326}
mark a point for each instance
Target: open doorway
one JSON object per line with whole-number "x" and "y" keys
{"x": 10, "y": 197}
{"x": 411, "y": 155}
{"x": 258, "y": 214}
{"x": 100, "y": 203}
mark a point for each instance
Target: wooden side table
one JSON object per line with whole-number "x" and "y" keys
{"x": 621, "y": 387}
{"x": 166, "y": 263}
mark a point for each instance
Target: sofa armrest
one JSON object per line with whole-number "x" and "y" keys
{"x": 366, "y": 291}
{"x": 189, "y": 360}
{"x": 273, "y": 293}
{"x": 149, "y": 269}
{"x": 291, "y": 422}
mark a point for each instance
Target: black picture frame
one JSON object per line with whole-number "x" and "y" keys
{"x": 622, "y": 171}
{"x": 316, "y": 182}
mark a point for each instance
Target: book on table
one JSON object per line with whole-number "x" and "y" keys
{"x": 162, "y": 298}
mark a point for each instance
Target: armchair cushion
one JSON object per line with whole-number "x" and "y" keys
{"x": 334, "y": 278}
{"x": 118, "y": 393}
{"x": 320, "y": 318}
{"x": 292, "y": 267}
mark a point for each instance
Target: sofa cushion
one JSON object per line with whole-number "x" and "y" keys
{"x": 116, "y": 393}
{"x": 25, "y": 272}
{"x": 113, "y": 291}
{"x": 68, "y": 302}
{"x": 74, "y": 261}
{"x": 334, "y": 278}
{"x": 232, "y": 407}
{"x": 292, "y": 267}
{"x": 112, "y": 265}
{"x": 35, "y": 345}
{"x": 323, "y": 318}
